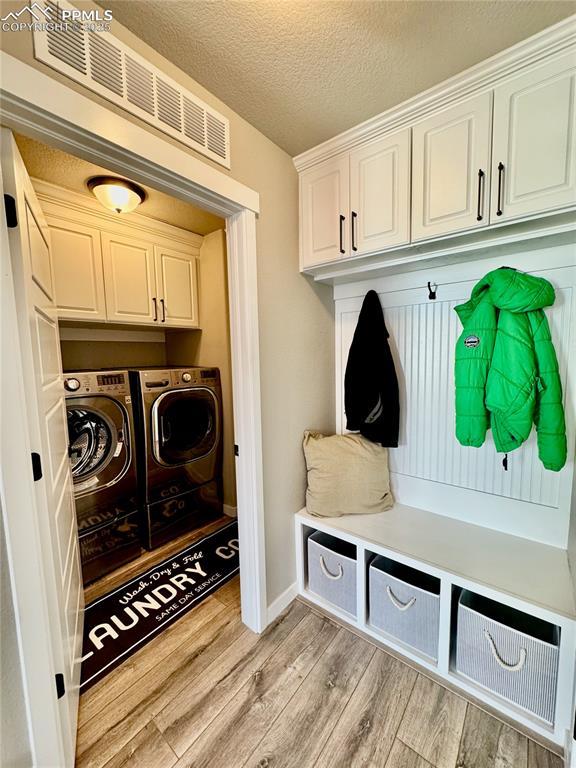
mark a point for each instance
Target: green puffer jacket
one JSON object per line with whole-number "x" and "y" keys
{"x": 506, "y": 367}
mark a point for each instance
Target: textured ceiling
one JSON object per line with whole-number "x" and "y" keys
{"x": 302, "y": 71}
{"x": 49, "y": 164}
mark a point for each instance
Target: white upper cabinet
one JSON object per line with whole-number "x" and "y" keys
{"x": 177, "y": 282}
{"x": 121, "y": 269}
{"x": 130, "y": 281}
{"x": 534, "y": 147}
{"x": 78, "y": 276}
{"x": 380, "y": 194}
{"x": 439, "y": 173}
{"x": 324, "y": 197}
{"x": 450, "y": 163}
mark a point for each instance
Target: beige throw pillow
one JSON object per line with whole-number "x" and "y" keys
{"x": 347, "y": 474}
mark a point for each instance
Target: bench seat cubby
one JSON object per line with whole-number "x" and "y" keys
{"x": 484, "y": 612}
{"x": 404, "y": 603}
{"x": 508, "y": 652}
{"x": 332, "y": 571}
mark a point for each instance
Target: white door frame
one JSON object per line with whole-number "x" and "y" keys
{"x": 38, "y": 106}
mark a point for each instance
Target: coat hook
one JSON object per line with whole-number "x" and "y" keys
{"x": 432, "y": 288}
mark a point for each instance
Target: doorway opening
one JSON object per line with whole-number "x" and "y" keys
{"x": 148, "y": 394}
{"x": 95, "y": 134}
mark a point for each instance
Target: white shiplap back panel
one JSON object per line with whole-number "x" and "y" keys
{"x": 430, "y": 468}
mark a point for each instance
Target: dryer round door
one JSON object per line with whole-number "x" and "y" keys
{"x": 185, "y": 425}
{"x": 98, "y": 439}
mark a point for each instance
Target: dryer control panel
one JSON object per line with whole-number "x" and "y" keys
{"x": 194, "y": 376}
{"x": 172, "y": 378}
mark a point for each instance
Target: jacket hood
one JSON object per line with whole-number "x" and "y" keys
{"x": 508, "y": 289}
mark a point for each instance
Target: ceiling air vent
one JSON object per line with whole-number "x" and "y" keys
{"x": 105, "y": 65}
{"x": 70, "y": 48}
{"x": 168, "y": 100}
{"x": 139, "y": 85}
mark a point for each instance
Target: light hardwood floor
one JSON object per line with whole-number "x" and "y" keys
{"x": 208, "y": 693}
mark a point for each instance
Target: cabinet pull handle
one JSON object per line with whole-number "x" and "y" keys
{"x": 500, "y": 661}
{"x": 163, "y": 310}
{"x": 155, "y": 309}
{"x": 481, "y": 175}
{"x": 326, "y": 572}
{"x": 500, "y": 187}
{"x": 398, "y": 603}
{"x": 342, "y": 220}
{"x": 354, "y": 217}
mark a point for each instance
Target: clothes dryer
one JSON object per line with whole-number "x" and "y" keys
{"x": 179, "y": 434}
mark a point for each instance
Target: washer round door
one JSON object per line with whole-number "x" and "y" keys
{"x": 185, "y": 425}
{"x": 98, "y": 439}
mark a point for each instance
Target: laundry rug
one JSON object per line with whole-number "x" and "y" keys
{"x": 121, "y": 622}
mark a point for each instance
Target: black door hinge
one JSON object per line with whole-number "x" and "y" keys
{"x": 36, "y": 466}
{"x": 60, "y": 687}
{"x": 235, "y": 450}
{"x": 10, "y": 207}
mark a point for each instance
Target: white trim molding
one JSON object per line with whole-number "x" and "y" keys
{"x": 282, "y": 602}
{"x": 110, "y": 335}
{"x": 242, "y": 273}
{"x": 29, "y": 98}
{"x": 505, "y": 239}
{"x": 230, "y": 511}
{"x": 476, "y": 79}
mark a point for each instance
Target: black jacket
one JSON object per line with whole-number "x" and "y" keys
{"x": 370, "y": 384}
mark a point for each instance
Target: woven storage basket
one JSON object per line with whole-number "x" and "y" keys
{"x": 405, "y": 603}
{"x": 332, "y": 570}
{"x": 508, "y": 652}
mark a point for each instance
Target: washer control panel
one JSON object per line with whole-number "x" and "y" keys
{"x": 72, "y": 384}
{"x": 97, "y": 382}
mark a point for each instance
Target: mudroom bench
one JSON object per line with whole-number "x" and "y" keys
{"x": 492, "y": 614}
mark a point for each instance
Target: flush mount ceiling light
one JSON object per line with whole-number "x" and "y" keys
{"x": 117, "y": 195}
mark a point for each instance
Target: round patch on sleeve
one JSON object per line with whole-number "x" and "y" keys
{"x": 471, "y": 341}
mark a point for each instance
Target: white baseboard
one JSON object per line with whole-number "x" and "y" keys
{"x": 282, "y": 602}
{"x": 230, "y": 511}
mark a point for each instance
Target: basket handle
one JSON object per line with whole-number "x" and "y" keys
{"x": 327, "y": 573}
{"x": 509, "y": 667}
{"x": 398, "y": 603}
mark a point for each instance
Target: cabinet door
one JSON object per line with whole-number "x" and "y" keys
{"x": 380, "y": 194}
{"x": 324, "y": 195}
{"x": 129, "y": 279}
{"x": 78, "y": 275}
{"x": 177, "y": 282}
{"x": 533, "y": 159}
{"x": 449, "y": 150}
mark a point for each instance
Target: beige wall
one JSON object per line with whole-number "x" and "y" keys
{"x": 296, "y": 316}
{"x": 211, "y": 346}
{"x": 90, "y": 355}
